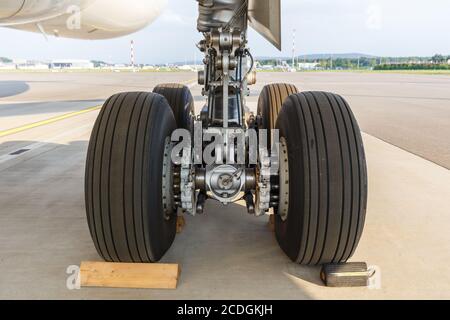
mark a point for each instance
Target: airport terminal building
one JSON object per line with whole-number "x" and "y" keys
{"x": 71, "y": 64}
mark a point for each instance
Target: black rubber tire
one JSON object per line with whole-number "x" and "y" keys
{"x": 270, "y": 102}
{"x": 327, "y": 179}
{"x": 181, "y": 101}
{"x": 123, "y": 183}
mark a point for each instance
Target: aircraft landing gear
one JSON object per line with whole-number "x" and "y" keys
{"x": 139, "y": 175}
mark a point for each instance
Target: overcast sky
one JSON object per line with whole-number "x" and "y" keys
{"x": 378, "y": 27}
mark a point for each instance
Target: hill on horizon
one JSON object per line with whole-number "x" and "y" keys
{"x": 323, "y": 56}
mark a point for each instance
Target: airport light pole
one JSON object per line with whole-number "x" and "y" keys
{"x": 293, "y": 49}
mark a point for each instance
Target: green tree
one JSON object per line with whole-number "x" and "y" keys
{"x": 5, "y": 60}
{"x": 438, "y": 59}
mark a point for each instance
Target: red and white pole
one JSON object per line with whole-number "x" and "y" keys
{"x": 293, "y": 49}
{"x": 132, "y": 54}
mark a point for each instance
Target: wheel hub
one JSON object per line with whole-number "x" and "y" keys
{"x": 225, "y": 182}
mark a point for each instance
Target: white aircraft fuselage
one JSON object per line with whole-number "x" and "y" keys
{"x": 81, "y": 19}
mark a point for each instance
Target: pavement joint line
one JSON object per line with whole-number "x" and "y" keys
{"x": 406, "y": 150}
{"x": 33, "y": 125}
{"x": 36, "y": 145}
{"x": 190, "y": 83}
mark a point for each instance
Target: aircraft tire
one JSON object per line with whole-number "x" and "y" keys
{"x": 181, "y": 101}
{"x": 327, "y": 179}
{"x": 123, "y": 183}
{"x": 270, "y": 102}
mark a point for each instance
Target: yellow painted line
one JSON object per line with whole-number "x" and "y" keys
{"x": 47, "y": 121}
{"x": 189, "y": 81}
{"x": 59, "y": 118}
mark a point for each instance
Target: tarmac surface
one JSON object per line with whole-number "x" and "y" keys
{"x": 45, "y": 123}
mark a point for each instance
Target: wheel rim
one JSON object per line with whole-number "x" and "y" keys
{"x": 283, "y": 174}
{"x": 167, "y": 181}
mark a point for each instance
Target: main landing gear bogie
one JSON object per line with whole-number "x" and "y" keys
{"x": 134, "y": 191}
{"x": 140, "y": 176}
